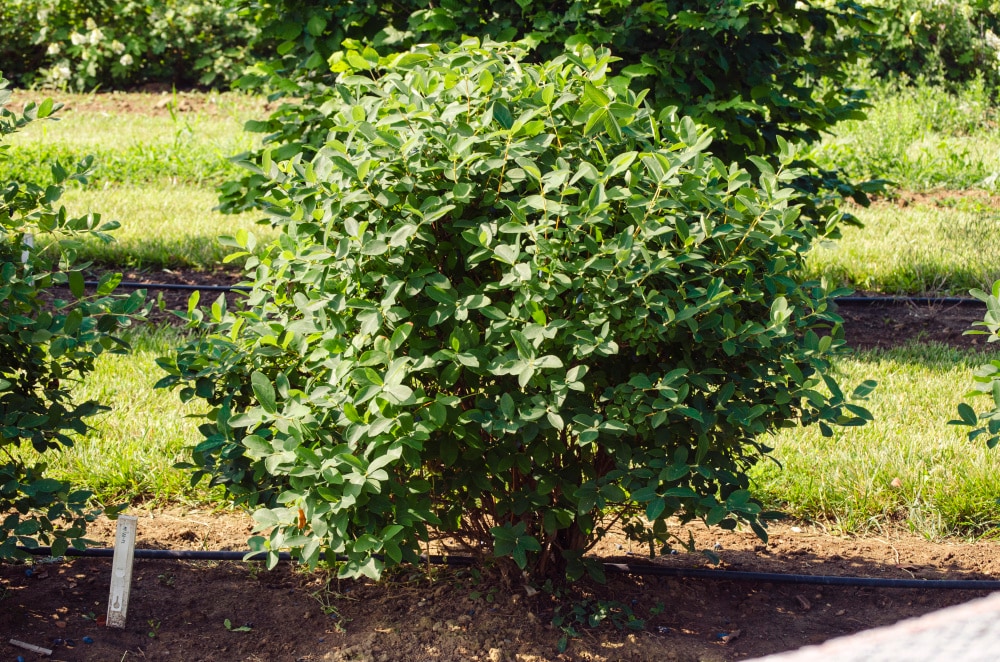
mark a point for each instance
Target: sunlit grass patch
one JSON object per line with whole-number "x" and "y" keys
{"x": 920, "y": 137}
{"x": 136, "y": 148}
{"x": 906, "y": 467}
{"x": 947, "y": 246}
{"x": 130, "y": 453}
{"x": 161, "y": 226}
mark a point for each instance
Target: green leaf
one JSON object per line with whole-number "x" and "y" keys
{"x": 595, "y": 96}
{"x": 76, "y": 285}
{"x": 486, "y": 83}
{"x": 45, "y": 108}
{"x": 107, "y": 283}
{"x": 316, "y": 25}
{"x": 264, "y": 391}
{"x": 502, "y": 115}
{"x": 967, "y": 415}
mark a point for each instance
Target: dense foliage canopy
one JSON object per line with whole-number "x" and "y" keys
{"x": 513, "y": 303}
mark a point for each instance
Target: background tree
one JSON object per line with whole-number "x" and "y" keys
{"x": 755, "y": 71}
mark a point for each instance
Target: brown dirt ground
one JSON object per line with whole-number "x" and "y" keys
{"x": 157, "y": 100}
{"x": 178, "y": 609}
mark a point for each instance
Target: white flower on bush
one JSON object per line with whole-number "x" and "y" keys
{"x": 77, "y": 38}
{"x": 126, "y": 60}
{"x": 53, "y": 48}
{"x": 117, "y": 47}
{"x": 61, "y": 71}
{"x": 96, "y": 36}
{"x": 992, "y": 40}
{"x": 91, "y": 24}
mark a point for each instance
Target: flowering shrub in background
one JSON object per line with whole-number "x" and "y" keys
{"x": 938, "y": 41}
{"x": 124, "y": 43}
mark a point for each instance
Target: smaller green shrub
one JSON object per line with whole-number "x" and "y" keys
{"x": 512, "y": 302}
{"x": 49, "y": 343}
{"x": 987, "y": 377}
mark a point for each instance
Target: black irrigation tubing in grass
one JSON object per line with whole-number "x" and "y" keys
{"x": 853, "y": 300}
{"x": 907, "y": 300}
{"x": 644, "y": 570}
{"x": 174, "y": 286}
{"x": 162, "y": 554}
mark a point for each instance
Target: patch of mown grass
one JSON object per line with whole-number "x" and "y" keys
{"x": 920, "y": 137}
{"x": 946, "y": 246}
{"x": 162, "y": 226}
{"x": 130, "y": 452}
{"x": 132, "y": 149}
{"x": 907, "y": 467}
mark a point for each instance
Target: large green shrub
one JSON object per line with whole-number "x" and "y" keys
{"x": 49, "y": 343}
{"x": 20, "y": 56}
{"x": 115, "y": 44}
{"x": 512, "y": 303}
{"x": 753, "y": 70}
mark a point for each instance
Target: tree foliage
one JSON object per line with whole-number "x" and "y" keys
{"x": 510, "y": 302}
{"x": 945, "y": 43}
{"x": 755, "y": 71}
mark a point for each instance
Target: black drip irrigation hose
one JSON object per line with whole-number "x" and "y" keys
{"x": 174, "y": 286}
{"x": 643, "y": 570}
{"x": 905, "y": 300}
{"x": 850, "y": 300}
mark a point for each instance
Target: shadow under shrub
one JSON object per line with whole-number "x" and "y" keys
{"x": 511, "y": 304}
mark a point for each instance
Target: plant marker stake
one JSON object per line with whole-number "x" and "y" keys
{"x": 29, "y": 241}
{"x": 121, "y": 570}
{"x": 31, "y": 647}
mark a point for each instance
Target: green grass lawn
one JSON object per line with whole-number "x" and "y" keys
{"x": 130, "y": 452}
{"x": 946, "y": 246}
{"x": 133, "y": 149}
{"x": 162, "y": 225}
{"x": 947, "y": 485}
{"x": 156, "y": 175}
{"x": 921, "y": 138}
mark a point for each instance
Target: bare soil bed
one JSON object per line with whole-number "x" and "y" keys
{"x": 178, "y": 610}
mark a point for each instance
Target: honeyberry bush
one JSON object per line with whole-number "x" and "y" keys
{"x": 510, "y": 303}
{"x": 49, "y": 343}
{"x": 987, "y": 377}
